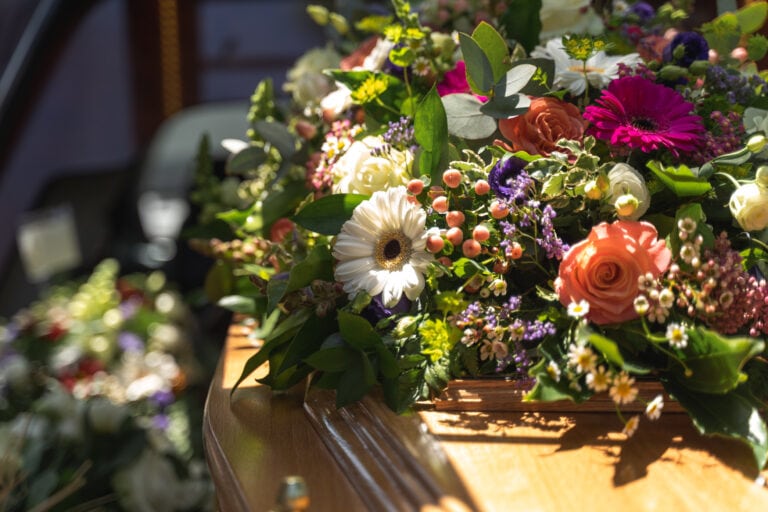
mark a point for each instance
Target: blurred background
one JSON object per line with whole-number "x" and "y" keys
{"x": 102, "y": 107}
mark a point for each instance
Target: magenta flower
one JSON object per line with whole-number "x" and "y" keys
{"x": 638, "y": 113}
{"x": 455, "y": 81}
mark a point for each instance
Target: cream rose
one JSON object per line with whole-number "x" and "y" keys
{"x": 625, "y": 179}
{"x": 603, "y": 269}
{"x": 561, "y": 16}
{"x": 749, "y": 206}
{"x": 360, "y": 171}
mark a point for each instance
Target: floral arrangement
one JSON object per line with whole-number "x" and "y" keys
{"x": 94, "y": 409}
{"x": 576, "y": 212}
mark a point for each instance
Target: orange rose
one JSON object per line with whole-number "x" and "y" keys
{"x": 604, "y": 269}
{"x": 547, "y": 121}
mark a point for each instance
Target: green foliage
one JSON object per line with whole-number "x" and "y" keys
{"x": 328, "y": 214}
{"x": 681, "y": 180}
{"x": 431, "y": 132}
{"x": 522, "y": 23}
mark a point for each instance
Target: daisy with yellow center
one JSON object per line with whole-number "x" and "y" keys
{"x": 676, "y": 335}
{"x": 630, "y": 427}
{"x": 581, "y": 358}
{"x": 623, "y": 390}
{"x": 654, "y": 407}
{"x": 382, "y": 248}
{"x": 599, "y": 379}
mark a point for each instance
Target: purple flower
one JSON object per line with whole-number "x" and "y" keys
{"x": 130, "y": 342}
{"x": 637, "y": 113}
{"x": 375, "y": 311}
{"x": 162, "y": 398}
{"x": 695, "y": 47}
{"x": 643, "y": 11}
{"x": 502, "y": 176}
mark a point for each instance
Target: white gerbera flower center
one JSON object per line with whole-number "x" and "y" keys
{"x": 393, "y": 250}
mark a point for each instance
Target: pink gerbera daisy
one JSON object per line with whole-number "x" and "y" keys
{"x": 638, "y": 113}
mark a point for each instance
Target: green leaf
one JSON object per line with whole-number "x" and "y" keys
{"x": 356, "y": 381}
{"x": 515, "y": 80}
{"x": 607, "y": 347}
{"x": 479, "y": 69}
{"x": 506, "y": 107}
{"x": 402, "y": 56}
{"x": 728, "y": 160}
{"x": 465, "y": 120}
{"x": 267, "y": 324}
{"x": 246, "y": 161}
{"x": 255, "y": 361}
{"x": 358, "y": 332}
{"x": 431, "y": 132}
{"x": 716, "y": 361}
{"x": 219, "y": 281}
{"x": 680, "y": 179}
{"x": 238, "y": 304}
{"x": 542, "y": 81}
{"x": 494, "y": 47}
{"x": 328, "y": 214}
{"x": 553, "y": 185}
{"x": 752, "y": 17}
{"x": 307, "y": 340}
{"x": 757, "y": 47}
{"x": 277, "y": 135}
{"x": 334, "y": 359}
{"x": 276, "y": 288}
{"x": 521, "y": 20}
{"x": 735, "y": 414}
{"x": 464, "y": 268}
{"x": 317, "y": 265}
{"x": 722, "y": 33}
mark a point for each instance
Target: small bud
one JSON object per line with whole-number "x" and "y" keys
{"x": 626, "y": 205}
{"x": 761, "y": 176}
{"x": 699, "y": 67}
{"x": 671, "y": 73}
{"x": 339, "y": 22}
{"x": 593, "y": 191}
{"x": 319, "y": 14}
{"x": 756, "y": 143}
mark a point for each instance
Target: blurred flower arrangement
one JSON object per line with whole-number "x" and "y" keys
{"x": 93, "y": 410}
{"x": 573, "y": 211}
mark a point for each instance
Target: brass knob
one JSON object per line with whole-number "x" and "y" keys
{"x": 293, "y": 495}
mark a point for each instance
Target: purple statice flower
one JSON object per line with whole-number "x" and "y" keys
{"x": 636, "y": 113}
{"x": 508, "y": 180}
{"x": 399, "y": 135}
{"x": 724, "y": 137}
{"x": 694, "y": 45}
{"x": 130, "y": 342}
{"x": 737, "y": 88}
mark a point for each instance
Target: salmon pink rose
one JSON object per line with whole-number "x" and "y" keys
{"x": 604, "y": 269}
{"x": 547, "y": 121}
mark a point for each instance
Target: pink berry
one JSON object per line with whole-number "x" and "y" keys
{"x": 481, "y": 233}
{"x": 482, "y": 187}
{"x": 435, "y": 243}
{"x": 515, "y": 251}
{"x": 445, "y": 260}
{"x": 440, "y": 204}
{"x": 499, "y": 210}
{"x": 454, "y": 219}
{"x": 455, "y": 236}
{"x": 739, "y": 53}
{"x": 452, "y": 178}
{"x": 471, "y": 248}
{"x": 415, "y": 186}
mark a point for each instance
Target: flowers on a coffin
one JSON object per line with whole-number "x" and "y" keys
{"x": 558, "y": 219}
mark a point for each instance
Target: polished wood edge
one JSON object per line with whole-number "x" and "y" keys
{"x": 229, "y": 493}
{"x": 392, "y": 461}
{"x": 502, "y": 395}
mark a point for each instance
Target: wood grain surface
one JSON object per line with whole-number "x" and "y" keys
{"x": 367, "y": 458}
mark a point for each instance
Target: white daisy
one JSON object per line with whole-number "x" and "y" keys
{"x": 569, "y": 73}
{"x": 630, "y": 427}
{"x": 677, "y": 336}
{"x": 382, "y": 248}
{"x": 654, "y": 407}
{"x": 623, "y": 390}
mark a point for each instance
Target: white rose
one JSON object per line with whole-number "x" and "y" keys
{"x": 358, "y": 171}
{"x": 561, "y": 16}
{"x": 749, "y": 206}
{"x": 625, "y": 180}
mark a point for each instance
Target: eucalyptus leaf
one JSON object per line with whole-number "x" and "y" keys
{"x": 465, "y": 119}
{"x": 494, "y": 47}
{"x": 328, "y": 214}
{"x": 479, "y": 69}
{"x": 278, "y": 135}
{"x": 431, "y": 133}
{"x": 515, "y": 80}
{"x": 506, "y": 107}
{"x": 246, "y": 161}
{"x": 752, "y": 17}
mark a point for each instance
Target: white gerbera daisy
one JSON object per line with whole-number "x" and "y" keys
{"x": 570, "y": 73}
{"x": 382, "y": 248}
